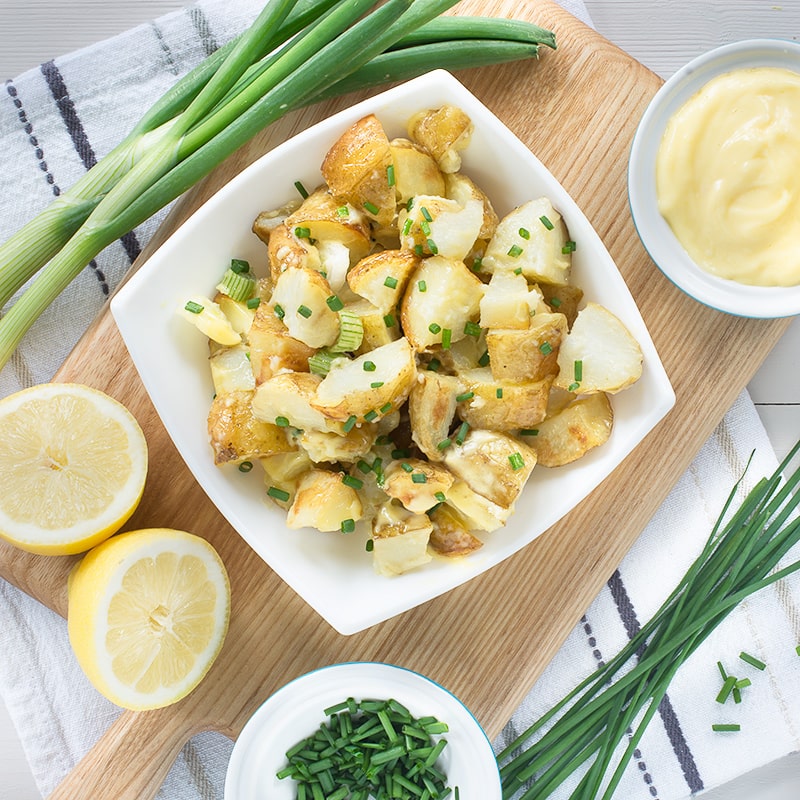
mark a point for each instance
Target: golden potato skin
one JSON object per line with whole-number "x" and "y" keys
{"x": 444, "y": 132}
{"x": 236, "y": 434}
{"x": 569, "y": 434}
{"x": 519, "y": 356}
{"x": 272, "y": 349}
{"x": 432, "y": 408}
{"x": 450, "y": 536}
{"x": 416, "y": 171}
{"x": 368, "y": 277}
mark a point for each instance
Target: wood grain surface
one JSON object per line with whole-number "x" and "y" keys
{"x": 487, "y": 641}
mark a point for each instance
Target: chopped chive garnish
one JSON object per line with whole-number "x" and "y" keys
{"x": 301, "y": 189}
{"x": 194, "y": 308}
{"x": 529, "y": 432}
{"x": 390, "y": 175}
{"x": 422, "y": 286}
{"x": 555, "y": 302}
{"x": 432, "y": 247}
{"x": 386, "y": 408}
{"x": 546, "y": 222}
{"x": 477, "y": 264}
{"x": 245, "y": 466}
{"x": 499, "y": 393}
{"x": 400, "y": 452}
{"x": 425, "y": 227}
{"x": 369, "y": 546}
{"x": 752, "y": 661}
{"x": 350, "y": 423}
{"x": 389, "y": 321}
{"x": 301, "y": 232}
{"x": 427, "y": 214}
{"x": 410, "y": 204}
{"x": 578, "y": 370}
{"x": 725, "y": 727}
{"x": 545, "y": 348}
{"x": 797, "y": 649}
{"x": 743, "y": 683}
{"x": 516, "y": 461}
{"x": 472, "y": 329}
{"x": 727, "y": 687}
{"x": 278, "y": 494}
{"x": 406, "y": 467}
{"x": 343, "y": 211}
{"x": 419, "y": 477}
{"x": 279, "y": 312}
{"x": 282, "y": 422}
{"x": 569, "y": 247}
{"x": 440, "y": 497}
{"x": 240, "y": 266}
{"x": 253, "y": 303}
{"x": 371, "y": 415}
{"x": 407, "y": 226}
{"x": 352, "y": 482}
{"x": 444, "y": 444}
{"x": 371, "y": 207}
{"x": 304, "y": 311}
{"x": 376, "y": 385}
{"x": 462, "y": 433}
{"x": 515, "y": 251}
{"x": 433, "y": 366}
{"x": 348, "y": 526}
{"x": 383, "y": 439}
{"x": 419, "y": 250}
{"x": 447, "y": 335}
{"x": 464, "y": 396}
{"x": 390, "y": 282}
{"x": 369, "y": 366}
{"x": 524, "y": 233}
{"x": 484, "y": 359}
{"x": 722, "y": 670}
{"x": 363, "y": 466}
{"x": 434, "y": 328}
{"x": 335, "y": 303}
{"x": 573, "y": 387}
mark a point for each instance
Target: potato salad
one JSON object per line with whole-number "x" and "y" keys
{"x": 406, "y": 359}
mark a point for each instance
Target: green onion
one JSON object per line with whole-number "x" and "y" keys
{"x": 515, "y": 251}
{"x": 372, "y": 208}
{"x": 546, "y": 222}
{"x": 432, "y": 247}
{"x": 390, "y": 282}
{"x": 194, "y": 308}
{"x": 343, "y": 211}
{"x": 419, "y": 477}
{"x": 282, "y": 422}
{"x": 389, "y": 321}
{"x": 351, "y": 332}
{"x": 524, "y": 233}
{"x": 529, "y": 432}
{"x": 578, "y": 370}
{"x": 369, "y": 366}
{"x": 390, "y": 178}
{"x": 322, "y": 361}
{"x": 444, "y": 444}
{"x": 376, "y": 385}
{"x": 295, "y": 53}
{"x": 569, "y": 247}
{"x": 238, "y": 286}
{"x": 335, "y": 303}
{"x": 406, "y": 467}
{"x": 462, "y": 433}
{"x": 440, "y": 497}
{"x": 240, "y": 265}
{"x": 545, "y": 348}
{"x": 727, "y": 687}
{"x": 279, "y": 312}
{"x": 386, "y": 408}
{"x": 752, "y": 661}
{"x": 499, "y": 393}
{"x": 447, "y": 335}
{"x": 472, "y": 329}
{"x": 615, "y": 704}
{"x": 301, "y": 232}
{"x": 348, "y": 525}
{"x": 253, "y": 303}
{"x": 464, "y": 396}
{"x": 304, "y": 311}
{"x": 245, "y": 466}
{"x": 516, "y": 461}
{"x": 371, "y": 415}
{"x": 278, "y": 494}
{"x": 302, "y": 191}
{"x": 369, "y": 545}
{"x": 422, "y": 286}
{"x": 434, "y": 328}
{"x": 352, "y": 482}
{"x": 725, "y": 727}
{"x": 350, "y": 423}
{"x": 484, "y": 359}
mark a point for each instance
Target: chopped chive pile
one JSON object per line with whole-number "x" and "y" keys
{"x": 370, "y": 749}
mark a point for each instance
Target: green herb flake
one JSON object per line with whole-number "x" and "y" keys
{"x": 524, "y": 233}
{"x": 253, "y": 303}
{"x": 440, "y": 497}
{"x": 425, "y": 213}
{"x": 352, "y": 481}
{"x": 348, "y": 526}
{"x": 499, "y": 393}
{"x": 419, "y": 477}
{"x": 301, "y": 232}
{"x": 371, "y": 208}
{"x": 515, "y": 251}
{"x": 390, "y": 177}
{"x": 350, "y": 423}
{"x": 193, "y": 308}
{"x": 529, "y": 432}
{"x": 545, "y": 348}
{"x": 464, "y": 396}
{"x": 376, "y": 385}
{"x": 389, "y": 321}
{"x": 546, "y": 222}
{"x": 245, "y": 466}
{"x": 721, "y": 727}
{"x": 444, "y": 444}
{"x": 432, "y": 247}
{"x": 304, "y": 311}
{"x": 386, "y": 408}
{"x": 462, "y": 433}
{"x": 369, "y": 366}
{"x": 335, "y": 303}
{"x": 282, "y": 422}
{"x": 434, "y": 328}
{"x": 517, "y": 462}
{"x": 278, "y": 494}
{"x": 447, "y": 336}
{"x": 390, "y": 282}
{"x": 472, "y": 329}
{"x": 371, "y": 415}
{"x": 343, "y": 211}
{"x": 369, "y": 545}
{"x": 422, "y": 286}
{"x": 301, "y": 189}
{"x": 483, "y": 361}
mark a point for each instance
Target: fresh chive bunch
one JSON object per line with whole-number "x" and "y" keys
{"x": 295, "y": 53}
{"x": 369, "y": 749}
{"x": 741, "y": 556}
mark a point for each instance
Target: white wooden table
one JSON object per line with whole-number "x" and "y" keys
{"x": 661, "y": 35}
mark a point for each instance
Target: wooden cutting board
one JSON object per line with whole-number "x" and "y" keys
{"x": 488, "y": 641}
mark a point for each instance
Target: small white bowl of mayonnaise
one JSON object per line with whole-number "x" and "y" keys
{"x": 714, "y": 178}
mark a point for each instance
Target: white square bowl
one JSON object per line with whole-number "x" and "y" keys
{"x": 331, "y": 572}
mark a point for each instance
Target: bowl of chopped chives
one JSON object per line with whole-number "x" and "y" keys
{"x": 359, "y": 730}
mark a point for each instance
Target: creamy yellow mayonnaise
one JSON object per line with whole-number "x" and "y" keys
{"x": 728, "y": 176}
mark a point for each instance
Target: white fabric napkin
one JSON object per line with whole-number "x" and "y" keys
{"x": 54, "y": 122}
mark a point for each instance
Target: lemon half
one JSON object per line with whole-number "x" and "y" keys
{"x": 147, "y": 615}
{"x": 73, "y": 463}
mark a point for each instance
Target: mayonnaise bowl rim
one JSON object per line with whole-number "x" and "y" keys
{"x": 663, "y": 247}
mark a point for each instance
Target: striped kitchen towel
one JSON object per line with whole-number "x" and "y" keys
{"x": 680, "y": 754}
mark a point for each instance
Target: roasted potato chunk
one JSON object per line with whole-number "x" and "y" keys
{"x": 368, "y": 387}
{"x": 210, "y": 320}
{"x": 381, "y": 278}
{"x": 432, "y": 408}
{"x": 569, "y": 434}
{"x": 289, "y": 396}
{"x": 520, "y": 356}
{"x": 288, "y": 251}
{"x": 450, "y": 535}
{"x": 451, "y": 298}
{"x": 378, "y": 328}
{"x": 231, "y": 370}
{"x": 492, "y": 464}
{"x": 505, "y": 302}
{"x": 416, "y": 171}
{"x": 500, "y": 405}
{"x": 464, "y": 190}
{"x": 272, "y": 348}
{"x": 302, "y": 296}
{"x": 532, "y": 238}
{"x": 479, "y": 513}
{"x": 323, "y": 502}
{"x": 562, "y": 300}
{"x": 599, "y": 354}
{"x": 400, "y": 540}
{"x": 237, "y": 435}
{"x": 417, "y": 484}
{"x": 355, "y": 168}
{"x": 444, "y": 132}
{"x": 331, "y": 446}
{"x": 438, "y": 226}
